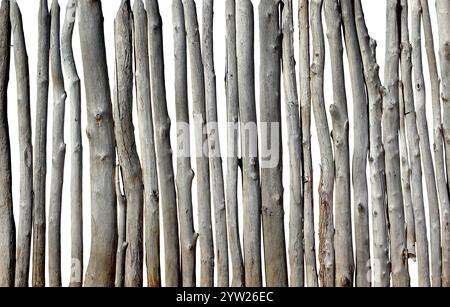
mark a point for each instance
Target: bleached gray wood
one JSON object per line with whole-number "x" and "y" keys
{"x": 147, "y": 140}
{"x": 232, "y": 95}
{"x": 326, "y": 185}
{"x": 122, "y": 244}
{"x": 374, "y": 89}
{"x": 100, "y": 131}
{"x": 23, "y": 247}
{"x": 399, "y": 253}
{"x": 201, "y": 139}
{"x": 130, "y": 164}
{"x": 343, "y": 238}
{"x": 40, "y": 147}
{"x": 163, "y": 147}
{"x": 407, "y": 95}
{"x": 361, "y": 147}
{"x": 270, "y": 118}
{"x": 58, "y": 151}
{"x": 305, "y": 108}
{"x": 7, "y": 224}
{"x": 425, "y": 145}
{"x": 442, "y": 16}
{"x": 251, "y": 190}
{"x": 296, "y": 247}
{"x": 76, "y": 146}
{"x": 185, "y": 174}
{"x": 215, "y": 161}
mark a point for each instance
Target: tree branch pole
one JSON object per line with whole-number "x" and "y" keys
{"x": 425, "y": 146}
{"x": 185, "y": 174}
{"x": 76, "y": 146}
{"x": 130, "y": 164}
{"x": 163, "y": 146}
{"x": 7, "y": 224}
{"x": 399, "y": 253}
{"x": 59, "y": 151}
{"x": 438, "y": 138}
{"x": 202, "y": 155}
{"x": 25, "y": 148}
{"x": 326, "y": 186}
{"x": 215, "y": 161}
{"x": 147, "y": 140}
{"x": 361, "y": 147}
{"x": 305, "y": 110}
{"x": 232, "y": 96}
{"x": 40, "y": 148}
{"x": 296, "y": 235}
{"x": 272, "y": 166}
{"x": 251, "y": 191}
{"x": 414, "y": 150}
{"x": 100, "y": 131}
{"x": 122, "y": 244}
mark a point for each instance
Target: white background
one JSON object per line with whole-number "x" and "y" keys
{"x": 375, "y": 18}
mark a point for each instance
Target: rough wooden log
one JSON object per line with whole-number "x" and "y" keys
{"x": 122, "y": 244}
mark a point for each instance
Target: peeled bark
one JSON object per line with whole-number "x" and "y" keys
{"x": 76, "y": 146}
{"x": 272, "y": 173}
{"x": 59, "y": 151}
{"x": 130, "y": 164}
{"x": 305, "y": 108}
{"x": 147, "y": 140}
{"x": 361, "y": 147}
{"x": 407, "y": 96}
{"x": 122, "y": 244}
{"x": 185, "y": 174}
{"x": 326, "y": 186}
{"x": 428, "y": 167}
{"x": 443, "y": 12}
{"x": 296, "y": 248}
{"x": 40, "y": 148}
{"x": 25, "y": 149}
{"x": 249, "y": 139}
{"x": 377, "y": 162}
{"x": 399, "y": 253}
{"x": 100, "y": 131}
{"x": 7, "y": 225}
{"x": 215, "y": 161}
{"x": 339, "y": 114}
{"x": 163, "y": 147}
{"x": 203, "y": 179}
{"x": 232, "y": 95}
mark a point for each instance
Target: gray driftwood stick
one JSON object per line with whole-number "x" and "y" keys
{"x": 326, "y": 186}
{"x": 25, "y": 148}
{"x": 40, "y": 147}
{"x": 438, "y": 134}
{"x": 130, "y": 164}
{"x": 163, "y": 147}
{"x": 185, "y": 174}
{"x": 215, "y": 161}
{"x": 249, "y": 140}
{"x": 296, "y": 248}
{"x": 425, "y": 145}
{"x": 361, "y": 148}
{"x": 7, "y": 224}
{"x": 203, "y": 171}
{"x": 147, "y": 140}
{"x": 376, "y": 152}
{"x": 272, "y": 168}
{"x": 399, "y": 253}
{"x": 305, "y": 107}
{"x": 100, "y": 131}
{"x": 407, "y": 95}
{"x": 122, "y": 244}
{"x": 76, "y": 146}
{"x": 339, "y": 114}
{"x": 58, "y": 151}
{"x": 232, "y": 94}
